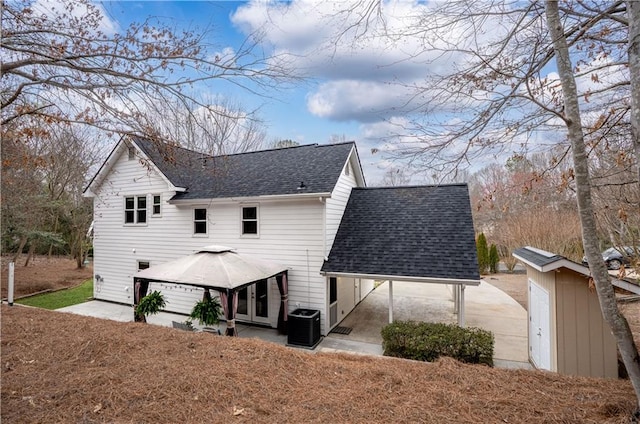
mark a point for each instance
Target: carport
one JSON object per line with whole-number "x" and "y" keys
{"x": 421, "y": 234}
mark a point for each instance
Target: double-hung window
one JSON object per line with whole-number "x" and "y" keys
{"x": 250, "y": 220}
{"x": 135, "y": 210}
{"x": 200, "y": 221}
{"x": 155, "y": 207}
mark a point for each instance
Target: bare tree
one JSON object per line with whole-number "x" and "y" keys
{"x": 222, "y": 127}
{"x": 395, "y": 177}
{"x": 63, "y": 65}
{"x": 573, "y": 120}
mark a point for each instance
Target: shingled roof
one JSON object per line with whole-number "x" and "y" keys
{"x": 422, "y": 231}
{"x": 263, "y": 173}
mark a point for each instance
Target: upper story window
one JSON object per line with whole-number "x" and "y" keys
{"x": 135, "y": 210}
{"x": 155, "y": 207}
{"x": 249, "y": 220}
{"x": 347, "y": 169}
{"x": 131, "y": 151}
{"x": 200, "y": 221}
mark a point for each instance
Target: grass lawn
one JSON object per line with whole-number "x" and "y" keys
{"x": 61, "y": 298}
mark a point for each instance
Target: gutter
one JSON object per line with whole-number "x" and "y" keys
{"x": 249, "y": 198}
{"x": 433, "y": 280}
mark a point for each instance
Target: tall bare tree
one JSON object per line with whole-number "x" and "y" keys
{"x": 573, "y": 120}
{"x": 222, "y": 127}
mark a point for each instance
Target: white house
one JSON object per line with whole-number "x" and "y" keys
{"x": 154, "y": 202}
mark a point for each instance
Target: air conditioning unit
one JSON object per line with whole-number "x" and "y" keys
{"x": 303, "y": 328}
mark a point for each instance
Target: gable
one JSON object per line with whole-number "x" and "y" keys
{"x": 115, "y": 156}
{"x": 421, "y": 232}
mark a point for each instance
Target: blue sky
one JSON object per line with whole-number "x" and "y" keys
{"x": 285, "y": 112}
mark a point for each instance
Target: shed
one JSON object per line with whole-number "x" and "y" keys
{"x": 567, "y": 332}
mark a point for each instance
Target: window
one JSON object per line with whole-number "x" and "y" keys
{"x": 135, "y": 210}
{"x": 347, "y": 171}
{"x": 333, "y": 290}
{"x": 249, "y": 220}
{"x": 156, "y": 205}
{"x": 143, "y": 265}
{"x": 200, "y": 221}
{"x": 132, "y": 153}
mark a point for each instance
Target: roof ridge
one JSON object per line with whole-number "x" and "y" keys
{"x": 191, "y": 151}
{"x": 412, "y": 186}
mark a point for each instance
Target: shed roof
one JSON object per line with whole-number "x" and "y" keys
{"x": 420, "y": 233}
{"x": 304, "y": 169}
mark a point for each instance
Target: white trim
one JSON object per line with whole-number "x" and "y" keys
{"x": 255, "y": 235}
{"x": 187, "y": 202}
{"x": 206, "y": 222}
{"x": 153, "y": 214}
{"x": 560, "y": 263}
{"x": 432, "y": 280}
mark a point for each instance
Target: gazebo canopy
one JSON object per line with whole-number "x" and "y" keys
{"x": 217, "y": 268}
{"x": 214, "y": 267}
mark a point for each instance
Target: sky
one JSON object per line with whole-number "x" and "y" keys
{"x": 345, "y": 94}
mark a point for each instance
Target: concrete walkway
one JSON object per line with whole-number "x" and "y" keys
{"x": 486, "y": 307}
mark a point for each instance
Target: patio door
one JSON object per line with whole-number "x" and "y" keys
{"x": 253, "y": 303}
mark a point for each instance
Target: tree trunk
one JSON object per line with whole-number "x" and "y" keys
{"x": 23, "y": 243}
{"x": 32, "y": 248}
{"x": 604, "y": 288}
{"x": 633, "y": 12}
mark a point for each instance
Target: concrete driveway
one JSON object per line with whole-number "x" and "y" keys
{"x": 486, "y": 307}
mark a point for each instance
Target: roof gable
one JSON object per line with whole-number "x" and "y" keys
{"x": 544, "y": 261}
{"x": 119, "y": 149}
{"x": 307, "y": 169}
{"x": 420, "y": 231}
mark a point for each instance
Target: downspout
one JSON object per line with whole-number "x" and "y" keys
{"x": 324, "y": 227}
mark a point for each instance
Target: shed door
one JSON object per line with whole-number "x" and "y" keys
{"x": 539, "y": 330}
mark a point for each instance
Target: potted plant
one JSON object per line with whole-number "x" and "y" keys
{"x": 208, "y": 310}
{"x": 151, "y": 304}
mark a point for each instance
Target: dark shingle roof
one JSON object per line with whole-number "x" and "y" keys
{"x": 536, "y": 257}
{"x": 424, "y": 231}
{"x": 263, "y": 173}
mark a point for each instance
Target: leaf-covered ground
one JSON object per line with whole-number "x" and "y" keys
{"x": 60, "y": 367}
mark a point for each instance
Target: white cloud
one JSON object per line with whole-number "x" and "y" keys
{"x": 56, "y": 9}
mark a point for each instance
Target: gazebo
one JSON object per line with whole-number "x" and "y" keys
{"x": 221, "y": 269}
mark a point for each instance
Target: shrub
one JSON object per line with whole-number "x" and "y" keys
{"x": 151, "y": 304}
{"x": 494, "y": 259}
{"x": 424, "y": 341}
{"x": 207, "y": 311}
{"x": 483, "y": 253}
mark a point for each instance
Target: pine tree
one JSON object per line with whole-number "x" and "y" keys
{"x": 494, "y": 259}
{"x": 483, "y": 253}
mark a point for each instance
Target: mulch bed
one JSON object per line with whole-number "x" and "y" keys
{"x": 60, "y": 367}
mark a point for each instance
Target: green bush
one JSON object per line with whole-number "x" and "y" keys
{"x": 151, "y": 304}
{"x": 425, "y": 341}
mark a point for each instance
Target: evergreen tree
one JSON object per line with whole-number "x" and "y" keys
{"x": 494, "y": 259}
{"x": 483, "y": 253}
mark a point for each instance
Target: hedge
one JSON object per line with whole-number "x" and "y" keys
{"x": 425, "y": 341}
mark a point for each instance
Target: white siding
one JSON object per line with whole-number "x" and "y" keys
{"x": 290, "y": 233}
{"x": 336, "y": 205}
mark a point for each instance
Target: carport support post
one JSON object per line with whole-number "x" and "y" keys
{"x": 390, "y": 302}
{"x": 461, "y": 307}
